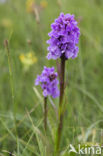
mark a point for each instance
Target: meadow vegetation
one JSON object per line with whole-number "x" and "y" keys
{"x": 21, "y": 103}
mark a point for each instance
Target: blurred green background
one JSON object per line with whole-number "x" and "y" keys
{"x": 25, "y": 24}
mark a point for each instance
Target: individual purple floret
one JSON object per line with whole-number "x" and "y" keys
{"x": 48, "y": 81}
{"x": 63, "y": 38}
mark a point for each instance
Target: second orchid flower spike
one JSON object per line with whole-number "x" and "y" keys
{"x": 49, "y": 84}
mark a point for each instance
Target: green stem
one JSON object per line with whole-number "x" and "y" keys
{"x": 6, "y": 44}
{"x": 10, "y": 70}
{"x": 62, "y": 83}
{"x": 45, "y": 113}
{"x": 62, "y": 77}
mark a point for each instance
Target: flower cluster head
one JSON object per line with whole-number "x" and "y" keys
{"x": 64, "y": 38}
{"x": 48, "y": 82}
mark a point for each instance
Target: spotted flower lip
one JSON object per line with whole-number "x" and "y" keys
{"x": 64, "y": 38}
{"x": 48, "y": 82}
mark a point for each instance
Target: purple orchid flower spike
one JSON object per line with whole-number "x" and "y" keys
{"x": 49, "y": 84}
{"x": 63, "y": 41}
{"x": 64, "y": 37}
